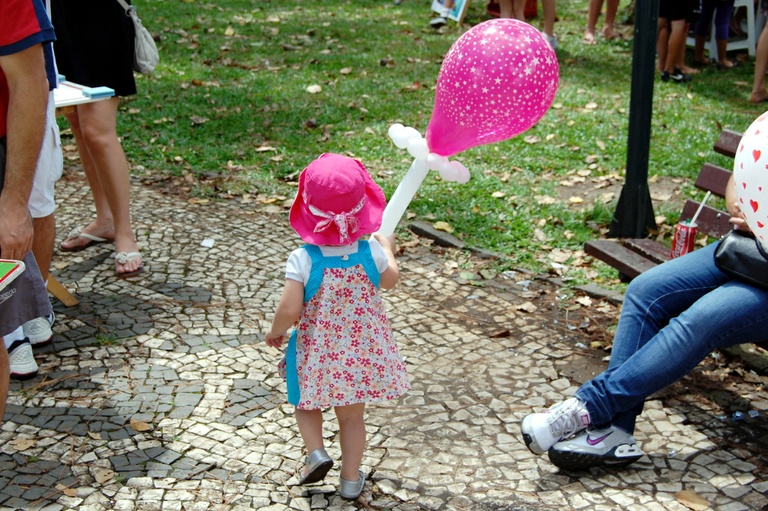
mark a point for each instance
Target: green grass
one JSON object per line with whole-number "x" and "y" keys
{"x": 228, "y": 107}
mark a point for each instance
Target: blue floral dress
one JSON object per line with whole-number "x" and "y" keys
{"x": 343, "y": 351}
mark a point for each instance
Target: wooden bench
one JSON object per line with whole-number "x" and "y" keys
{"x": 633, "y": 256}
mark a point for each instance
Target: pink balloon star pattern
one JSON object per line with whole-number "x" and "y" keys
{"x": 497, "y": 80}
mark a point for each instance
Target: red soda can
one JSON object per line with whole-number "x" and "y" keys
{"x": 684, "y": 239}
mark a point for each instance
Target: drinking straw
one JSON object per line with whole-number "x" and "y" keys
{"x": 696, "y": 215}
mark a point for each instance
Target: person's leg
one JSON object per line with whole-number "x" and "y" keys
{"x": 550, "y": 14}
{"x": 609, "y": 31}
{"x": 310, "y": 424}
{"x": 702, "y": 30}
{"x": 759, "y": 90}
{"x": 442, "y": 18}
{"x": 98, "y": 127}
{"x": 593, "y": 14}
{"x": 722, "y": 28}
{"x": 506, "y": 9}
{"x": 5, "y": 379}
{"x": 352, "y": 438}
{"x": 42, "y": 243}
{"x": 676, "y": 44}
{"x": 662, "y": 43}
{"x": 690, "y": 309}
{"x": 103, "y": 225}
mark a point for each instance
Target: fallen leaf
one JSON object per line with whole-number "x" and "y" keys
{"x": 576, "y": 200}
{"x": 103, "y": 475}
{"x": 198, "y": 201}
{"x": 265, "y": 148}
{"x": 498, "y": 195}
{"x": 140, "y": 426}
{"x": 591, "y": 105}
{"x": 443, "y": 226}
{"x": 22, "y": 443}
{"x": 345, "y": 70}
{"x": 69, "y": 492}
{"x": 229, "y": 31}
{"x": 314, "y": 89}
{"x": 584, "y": 300}
{"x": 467, "y": 275}
{"x": 692, "y": 500}
{"x": 526, "y": 307}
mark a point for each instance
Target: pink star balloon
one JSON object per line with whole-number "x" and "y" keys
{"x": 750, "y": 177}
{"x": 497, "y": 80}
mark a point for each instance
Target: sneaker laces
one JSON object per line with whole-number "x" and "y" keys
{"x": 567, "y": 420}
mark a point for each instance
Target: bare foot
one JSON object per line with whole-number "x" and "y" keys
{"x": 80, "y": 239}
{"x": 609, "y": 34}
{"x": 589, "y": 38}
{"x": 759, "y": 97}
{"x": 689, "y": 70}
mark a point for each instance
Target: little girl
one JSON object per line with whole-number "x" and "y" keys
{"x": 342, "y": 353}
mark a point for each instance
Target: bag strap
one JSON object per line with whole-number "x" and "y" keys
{"x": 126, "y": 7}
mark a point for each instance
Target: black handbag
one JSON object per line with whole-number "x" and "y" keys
{"x": 742, "y": 256}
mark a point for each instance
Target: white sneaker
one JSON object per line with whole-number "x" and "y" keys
{"x": 438, "y": 22}
{"x": 610, "y": 447}
{"x": 38, "y": 331}
{"x": 23, "y": 365}
{"x": 542, "y": 430}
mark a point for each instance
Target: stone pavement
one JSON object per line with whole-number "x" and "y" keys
{"x": 158, "y": 393}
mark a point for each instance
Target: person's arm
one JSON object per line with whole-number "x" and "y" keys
{"x": 287, "y": 313}
{"x": 389, "y": 277}
{"x": 28, "y": 98}
{"x": 732, "y": 205}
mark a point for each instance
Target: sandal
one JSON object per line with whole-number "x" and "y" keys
{"x": 317, "y": 466}
{"x": 78, "y": 233}
{"x": 123, "y": 258}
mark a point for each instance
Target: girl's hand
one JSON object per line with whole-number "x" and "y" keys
{"x": 737, "y": 219}
{"x": 274, "y": 340}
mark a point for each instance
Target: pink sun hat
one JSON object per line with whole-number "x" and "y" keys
{"x": 337, "y": 202}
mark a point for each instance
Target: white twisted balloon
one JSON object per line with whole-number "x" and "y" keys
{"x": 409, "y": 138}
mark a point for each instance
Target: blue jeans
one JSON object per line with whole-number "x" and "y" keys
{"x": 673, "y": 316}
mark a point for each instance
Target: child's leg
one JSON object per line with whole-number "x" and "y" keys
{"x": 310, "y": 424}
{"x": 352, "y": 436}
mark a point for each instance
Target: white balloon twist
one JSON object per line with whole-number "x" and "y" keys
{"x": 409, "y": 138}
{"x": 423, "y": 161}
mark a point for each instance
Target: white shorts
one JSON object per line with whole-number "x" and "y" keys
{"x": 49, "y": 167}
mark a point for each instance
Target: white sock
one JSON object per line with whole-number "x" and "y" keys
{"x": 16, "y": 335}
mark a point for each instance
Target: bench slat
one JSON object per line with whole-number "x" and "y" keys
{"x": 650, "y": 249}
{"x": 712, "y": 222}
{"x": 713, "y": 178}
{"x": 618, "y": 256}
{"x": 727, "y": 143}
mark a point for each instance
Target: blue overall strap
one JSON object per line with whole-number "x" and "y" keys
{"x": 291, "y": 374}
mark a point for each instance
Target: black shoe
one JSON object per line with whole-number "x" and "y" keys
{"x": 676, "y": 76}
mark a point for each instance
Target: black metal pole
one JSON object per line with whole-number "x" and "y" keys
{"x": 634, "y": 211}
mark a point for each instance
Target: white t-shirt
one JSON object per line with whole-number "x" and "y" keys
{"x": 300, "y": 263}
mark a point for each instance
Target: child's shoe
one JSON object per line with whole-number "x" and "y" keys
{"x": 350, "y": 490}
{"x": 317, "y": 466}
{"x": 551, "y": 40}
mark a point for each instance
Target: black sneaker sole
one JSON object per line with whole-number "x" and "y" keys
{"x": 578, "y": 461}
